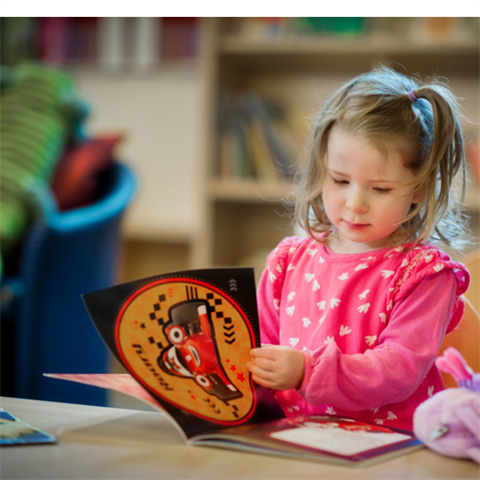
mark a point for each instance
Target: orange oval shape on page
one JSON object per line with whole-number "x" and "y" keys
{"x": 188, "y": 343}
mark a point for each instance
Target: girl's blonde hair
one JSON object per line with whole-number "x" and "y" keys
{"x": 426, "y": 131}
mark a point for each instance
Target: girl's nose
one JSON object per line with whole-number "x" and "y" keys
{"x": 356, "y": 201}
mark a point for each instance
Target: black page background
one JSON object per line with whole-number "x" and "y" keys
{"x": 104, "y": 306}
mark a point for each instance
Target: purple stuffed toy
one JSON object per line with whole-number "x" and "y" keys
{"x": 449, "y": 421}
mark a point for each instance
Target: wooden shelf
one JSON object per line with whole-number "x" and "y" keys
{"x": 250, "y": 191}
{"x": 244, "y": 219}
{"x": 347, "y": 46}
{"x": 351, "y": 54}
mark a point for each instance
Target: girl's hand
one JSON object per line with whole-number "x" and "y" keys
{"x": 277, "y": 367}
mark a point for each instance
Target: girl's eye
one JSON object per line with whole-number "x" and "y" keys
{"x": 382, "y": 190}
{"x": 339, "y": 182}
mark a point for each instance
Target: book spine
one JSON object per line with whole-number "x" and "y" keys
{"x": 111, "y": 33}
{"x": 145, "y": 43}
{"x": 281, "y": 158}
{"x": 179, "y": 39}
{"x": 53, "y": 39}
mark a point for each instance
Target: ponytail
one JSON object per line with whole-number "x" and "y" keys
{"x": 440, "y": 211}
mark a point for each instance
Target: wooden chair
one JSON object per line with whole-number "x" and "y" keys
{"x": 472, "y": 262}
{"x": 466, "y": 339}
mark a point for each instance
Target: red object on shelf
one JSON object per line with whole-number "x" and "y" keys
{"x": 77, "y": 178}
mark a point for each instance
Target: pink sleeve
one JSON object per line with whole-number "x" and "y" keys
{"x": 428, "y": 263}
{"x": 394, "y": 369}
{"x": 269, "y": 292}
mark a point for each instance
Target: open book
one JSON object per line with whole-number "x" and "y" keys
{"x": 185, "y": 338}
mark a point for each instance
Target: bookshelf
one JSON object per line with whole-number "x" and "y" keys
{"x": 244, "y": 218}
{"x": 163, "y": 85}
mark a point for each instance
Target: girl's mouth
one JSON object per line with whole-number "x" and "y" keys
{"x": 356, "y": 226}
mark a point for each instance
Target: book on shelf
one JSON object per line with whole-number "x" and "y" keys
{"x": 271, "y": 123}
{"x": 179, "y": 39}
{"x": 52, "y": 39}
{"x": 255, "y": 140}
{"x": 241, "y": 158}
{"x": 111, "y": 34}
{"x": 185, "y": 339}
{"x": 142, "y": 41}
{"x": 110, "y": 43}
{"x": 271, "y": 28}
{"x": 17, "y": 39}
{"x": 62, "y": 40}
{"x": 422, "y": 29}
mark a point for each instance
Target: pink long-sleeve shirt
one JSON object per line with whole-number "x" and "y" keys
{"x": 370, "y": 326}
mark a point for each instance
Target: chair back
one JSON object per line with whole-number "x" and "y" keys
{"x": 466, "y": 339}
{"x": 472, "y": 262}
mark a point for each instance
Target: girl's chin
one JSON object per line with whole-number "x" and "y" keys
{"x": 356, "y": 244}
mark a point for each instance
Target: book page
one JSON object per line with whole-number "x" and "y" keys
{"x": 335, "y": 439}
{"x": 120, "y": 382}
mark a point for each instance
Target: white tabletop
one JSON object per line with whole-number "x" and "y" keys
{"x": 114, "y": 443}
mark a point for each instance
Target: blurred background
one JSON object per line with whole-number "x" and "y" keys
{"x": 207, "y": 116}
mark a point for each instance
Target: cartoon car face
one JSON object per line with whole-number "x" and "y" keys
{"x": 193, "y": 353}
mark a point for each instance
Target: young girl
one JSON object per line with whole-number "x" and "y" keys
{"x": 352, "y": 317}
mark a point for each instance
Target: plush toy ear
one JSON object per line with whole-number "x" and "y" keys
{"x": 453, "y": 363}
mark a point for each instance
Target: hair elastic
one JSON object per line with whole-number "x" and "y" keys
{"x": 412, "y": 96}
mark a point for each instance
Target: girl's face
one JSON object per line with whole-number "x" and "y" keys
{"x": 365, "y": 195}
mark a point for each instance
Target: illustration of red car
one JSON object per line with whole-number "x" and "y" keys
{"x": 193, "y": 353}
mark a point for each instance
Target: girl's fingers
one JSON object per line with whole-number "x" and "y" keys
{"x": 270, "y": 353}
{"x": 260, "y": 376}
{"x": 264, "y": 363}
{"x": 259, "y": 371}
{"x": 263, "y": 382}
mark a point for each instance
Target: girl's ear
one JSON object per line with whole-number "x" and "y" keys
{"x": 417, "y": 196}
